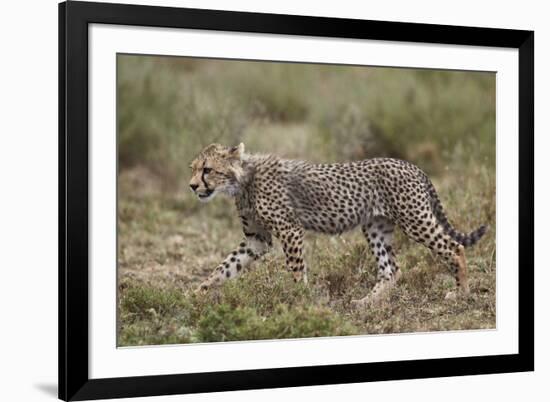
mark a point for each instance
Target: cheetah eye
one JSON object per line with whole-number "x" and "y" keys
{"x": 206, "y": 170}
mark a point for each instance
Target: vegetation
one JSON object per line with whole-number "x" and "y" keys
{"x": 169, "y": 108}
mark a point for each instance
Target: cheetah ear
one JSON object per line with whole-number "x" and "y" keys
{"x": 237, "y": 151}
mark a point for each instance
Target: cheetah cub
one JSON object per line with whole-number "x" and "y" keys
{"x": 284, "y": 198}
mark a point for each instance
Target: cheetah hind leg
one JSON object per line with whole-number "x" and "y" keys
{"x": 460, "y": 270}
{"x": 379, "y": 234}
{"x": 436, "y": 239}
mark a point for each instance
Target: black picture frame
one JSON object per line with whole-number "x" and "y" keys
{"x": 74, "y": 18}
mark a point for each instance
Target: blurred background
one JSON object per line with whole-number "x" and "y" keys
{"x": 169, "y": 108}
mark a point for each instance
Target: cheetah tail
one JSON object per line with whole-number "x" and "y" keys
{"x": 466, "y": 239}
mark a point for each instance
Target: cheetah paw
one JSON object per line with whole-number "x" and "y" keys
{"x": 202, "y": 289}
{"x": 451, "y": 295}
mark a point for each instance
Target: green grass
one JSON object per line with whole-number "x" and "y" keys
{"x": 169, "y": 108}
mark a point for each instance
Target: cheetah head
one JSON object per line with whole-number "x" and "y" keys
{"x": 216, "y": 169}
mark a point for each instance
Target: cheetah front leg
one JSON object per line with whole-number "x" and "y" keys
{"x": 379, "y": 234}
{"x": 253, "y": 246}
{"x": 292, "y": 240}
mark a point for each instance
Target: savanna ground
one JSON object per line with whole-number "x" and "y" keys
{"x": 169, "y": 108}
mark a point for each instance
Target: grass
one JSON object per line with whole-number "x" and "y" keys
{"x": 167, "y": 246}
{"x": 168, "y": 242}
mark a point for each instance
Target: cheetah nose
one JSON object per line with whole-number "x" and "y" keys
{"x": 194, "y": 186}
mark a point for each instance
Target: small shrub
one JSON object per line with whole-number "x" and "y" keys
{"x": 307, "y": 322}
{"x": 269, "y": 92}
{"x": 225, "y": 323}
{"x": 155, "y": 331}
{"x": 263, "y": 288}
{"x": 141, "y": 301}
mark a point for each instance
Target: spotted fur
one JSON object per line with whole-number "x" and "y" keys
{"x": 284, "y": 198}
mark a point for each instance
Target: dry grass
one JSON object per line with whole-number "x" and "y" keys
{"x": 169, "y": 242}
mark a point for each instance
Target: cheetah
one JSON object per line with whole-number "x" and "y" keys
{"x": 284, "y": 198}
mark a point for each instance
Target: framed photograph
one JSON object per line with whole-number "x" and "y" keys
{"x": 258, "y": 201}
